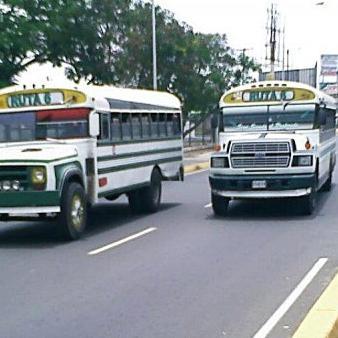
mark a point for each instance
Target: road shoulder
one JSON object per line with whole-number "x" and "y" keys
{"x": 322, "y": 320}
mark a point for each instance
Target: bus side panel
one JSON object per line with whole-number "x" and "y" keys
{"x": 129, "y": 165}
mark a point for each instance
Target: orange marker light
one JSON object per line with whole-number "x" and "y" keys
{"x": 308, "y": 145}
{"x": 217, "y": 147}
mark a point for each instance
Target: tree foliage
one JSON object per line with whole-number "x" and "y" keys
{"x": 110, "y": 42}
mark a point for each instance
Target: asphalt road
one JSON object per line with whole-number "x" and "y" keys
{"x": 190, "y": 275}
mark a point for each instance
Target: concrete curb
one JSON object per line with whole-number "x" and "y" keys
{"x": 195, "y": 167}
{"x": 322, "y": 320}
{"x": 199, "y": 148}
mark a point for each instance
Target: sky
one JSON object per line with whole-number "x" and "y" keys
{"x": 310, "y": 29}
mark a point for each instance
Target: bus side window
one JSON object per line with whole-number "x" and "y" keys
{"x": 126, "y": 127}
{"x": 177, "y": 124}
{"x": 154, "y": 125}
{"x": 104, "y": 126}
{"x": 145, "y": 126}
{"x": 136, "y": 125}
{"x": 115, "y": 127}
{"x": 162, "y": 125}
{"x": 170, "y": 125}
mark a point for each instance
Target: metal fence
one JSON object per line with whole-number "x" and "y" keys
{"x": 202, "y": 135}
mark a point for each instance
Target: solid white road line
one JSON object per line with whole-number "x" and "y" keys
{"x": 122, "y": 241}
{"x": 208, "y": 205}
{"x": 196, "y": 172}
{"x": 280, "y": 312}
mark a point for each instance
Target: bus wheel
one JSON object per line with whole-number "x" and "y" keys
{"x": 134, "y": 200}
{"x": 151, "y": 196}
{"x": 220, "y": 204}
{"x": 73, "y": 216}
{"x": 328, "y": 184}
{"x": 308, "y": 203}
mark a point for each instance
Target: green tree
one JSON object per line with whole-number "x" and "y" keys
{"x": 196, "y": 67}
{"x": 21, "y": 37}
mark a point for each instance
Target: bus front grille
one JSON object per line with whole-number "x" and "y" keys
{"x": 260, "y": 155}
{"x": 11, "y": 174}
{"x": 266, "y": 147}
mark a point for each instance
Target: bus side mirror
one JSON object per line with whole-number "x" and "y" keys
{"x": 94, "y": 125}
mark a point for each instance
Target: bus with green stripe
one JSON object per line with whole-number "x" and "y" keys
{"x": 277, "y": 139}
{"x": 64, "y": 148}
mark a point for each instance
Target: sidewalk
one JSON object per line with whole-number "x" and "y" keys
{"x": 196, "y": 159}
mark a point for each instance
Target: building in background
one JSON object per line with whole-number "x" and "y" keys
{"x": 307, "y": 76}
{"x": 328, "y": 76}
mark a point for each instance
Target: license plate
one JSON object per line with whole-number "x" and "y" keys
{"x": 261, "y": 184}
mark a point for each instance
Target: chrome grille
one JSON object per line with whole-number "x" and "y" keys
{"x": 254, "y": 147}
{"x": 260, "y": 155}
{"x": 267, "y": 162}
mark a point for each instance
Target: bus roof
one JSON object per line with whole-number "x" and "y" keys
{"x": 273, "y": 92}
{"x": 109, "y": 97}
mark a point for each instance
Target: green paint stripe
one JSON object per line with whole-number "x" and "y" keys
{"x": 111, "y": 143}
{"x": 123, "y": 190}
{"x": 29, "y": 199}
{"x": 138, "y": 165}
{"x": 38, "y": 161}
{"x": 141, "y": 153}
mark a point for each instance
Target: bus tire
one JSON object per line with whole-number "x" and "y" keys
{"x": 220, "y": 204}
{"x": 73, "y": 217}
{"x": 328, "y": 184}
{"x": 308, "y": 203}
{"x": 151, "y": 196}
{"x": 134, "y": 200}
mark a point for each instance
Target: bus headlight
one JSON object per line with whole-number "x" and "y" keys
{"x": 6, "y": 185}
{"x": 38, "y": 176}
{"x": 16, "y": 185}
{"x": 219, "y": 162}
{"x": 302, "y": 161}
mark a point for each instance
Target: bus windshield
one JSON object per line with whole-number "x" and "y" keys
{"x": 263, "y": 118}
{"x": 30, "y": 126}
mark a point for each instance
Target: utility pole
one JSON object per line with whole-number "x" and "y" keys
{"x": 154, "y": 47}
{"x": 287, "y": 64}
{"x": 272, "y": 29}
{"x": 283, "y": 57}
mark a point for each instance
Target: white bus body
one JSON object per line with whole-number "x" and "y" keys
{"x": 63, "y": 148}
{"x": 277, "y": 140}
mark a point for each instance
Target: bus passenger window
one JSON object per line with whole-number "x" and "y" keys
{"x": 104, "y": 130}
{"x": 145, "y": 126}
{"x": 154, "y": 125}
{"x": 126, "y": 127}
{"x": 115, "y": 124}
{"x": 162, "y": 125}
{"x": 170, "y": 125}
{"x": 136, "y": 125}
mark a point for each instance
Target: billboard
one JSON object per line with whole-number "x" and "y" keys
{"x": 329, "y": 64}
{"x": 330, "y": 89}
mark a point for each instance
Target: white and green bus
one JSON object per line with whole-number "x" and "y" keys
{"x": 62, "y": 148}
{"x": 277, "y": 139}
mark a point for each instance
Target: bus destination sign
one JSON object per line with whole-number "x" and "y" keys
{"x": 34, "y": 99}
{"x": 268, "y": 95}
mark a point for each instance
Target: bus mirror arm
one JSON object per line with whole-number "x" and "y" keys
{"x": 322, "y": 113}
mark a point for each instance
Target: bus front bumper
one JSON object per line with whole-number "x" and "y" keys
{"x": 276, "y": 186}
{"x": 29, "y": 202}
